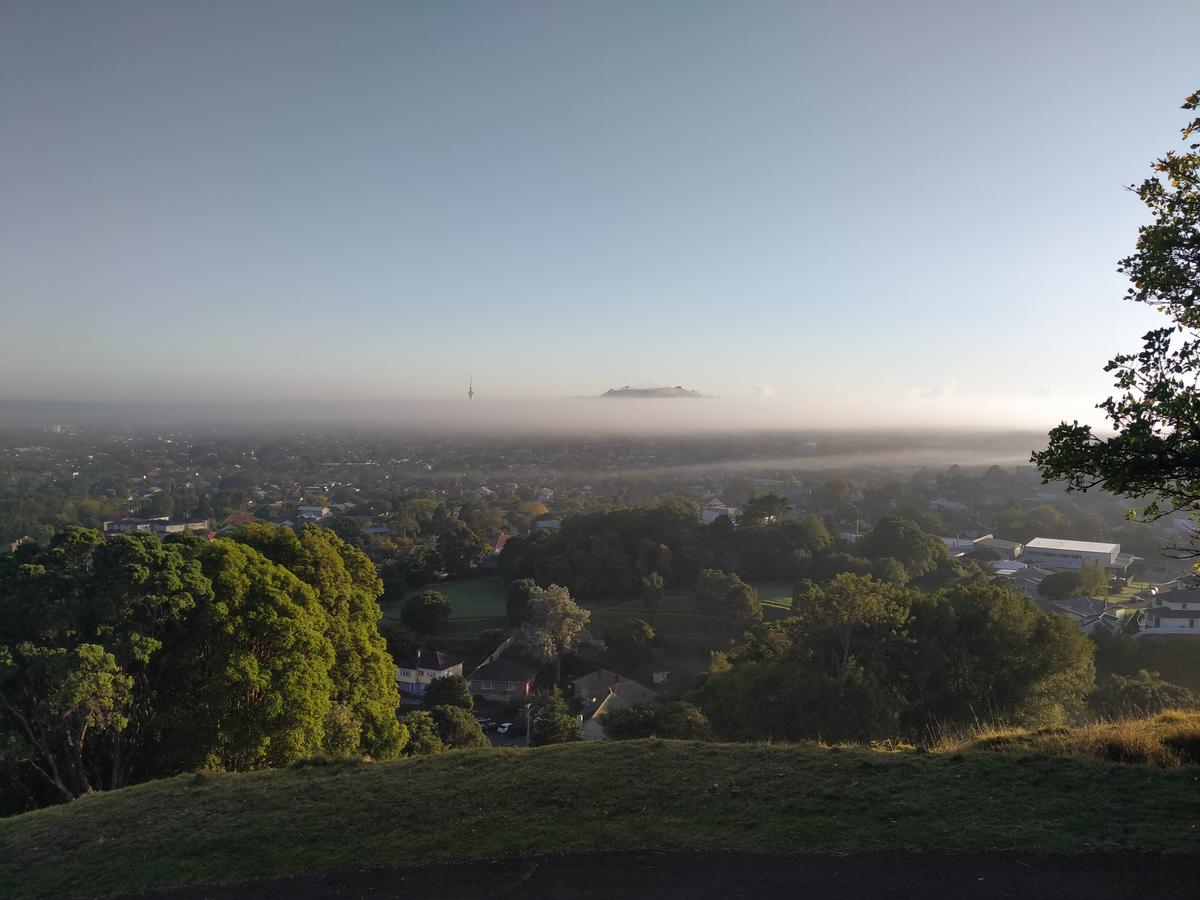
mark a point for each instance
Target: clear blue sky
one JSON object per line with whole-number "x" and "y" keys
{"x": 899, "y": 204}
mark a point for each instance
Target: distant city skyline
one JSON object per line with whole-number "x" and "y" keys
{"x": 859, "y": 211}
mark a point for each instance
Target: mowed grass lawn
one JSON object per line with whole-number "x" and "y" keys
{"x": 688, "y": 636}
{"x": 473, "y": 599}
{"x": 227, "y": 827}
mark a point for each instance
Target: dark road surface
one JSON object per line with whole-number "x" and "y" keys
{"x": 727, "y": 875}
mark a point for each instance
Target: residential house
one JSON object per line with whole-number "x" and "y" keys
{"x": 602, "y": 692}
{"x": 713, "y": 508}
{"x": 491, "y": 562}
{"x": 1004, "y": 549}
{"x": 1089, "y": 614}
{"x": 160, "y": 526}
{"x": 1026, "y": 579}
{"x": 1172, "y": 612}
{"x": 957, "y": 546}
{"x": 415, "y": 672}
{"x": 502, "y": 679}
{"x": 1007, "y": 568}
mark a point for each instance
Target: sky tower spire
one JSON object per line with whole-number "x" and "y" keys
{"x": 471, "y": 387}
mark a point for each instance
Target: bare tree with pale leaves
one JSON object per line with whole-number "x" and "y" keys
{"x": 556, "y": 625}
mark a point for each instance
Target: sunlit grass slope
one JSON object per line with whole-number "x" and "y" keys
{"x": 641, "y": 794}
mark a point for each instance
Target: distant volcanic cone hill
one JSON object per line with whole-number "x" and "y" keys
{"x": 657, "y": 393}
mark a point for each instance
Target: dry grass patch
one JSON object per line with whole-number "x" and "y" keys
{"x": 1169, "y": 740}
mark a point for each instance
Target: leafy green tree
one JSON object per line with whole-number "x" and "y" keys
{"x": 864, "y": 659}
{"x": 764, "y": 509}
{"x": 82, "y": 624}
{"x": 652, "y": 594}
{"x": 365, "y": 698}
{"x": 662, "y": 719}
{"x": 905, "y": 542}
{"x": 852, "y": 617}
{"x": 631, "y": 644}
{"x": 449, "y": 690}
{"x": 347, "y": 529}
{"x": 457, "y": 728}
{"x": 556, "y": 625}
{"x": 805, "y": 594}
{"x": 889, "y": 570}
{"x": 461, "y": 548}
{"x": 71, "y": 693}
{"x": 654, "y": 558}
{"x": 809, "y": 533}
{"x": 1059, "y": 585}
{"x": 983, "y": 651}
{"x": 426, "y": 613}
{"x": 726, "y": 594}
{"x": 1155, "y": 413}
{"x": 833, "y": 494}
{"x": 400, "y": 640}
{"x": 553, "y": 723}
{"x": 829, "y": 567}
{"x": 1093, "y": 580}
{"x": 516, "y": 601}
{"x": 1144, "y": 694}
{"x": 423, "y": 736}
{"x": 248, "y": 684}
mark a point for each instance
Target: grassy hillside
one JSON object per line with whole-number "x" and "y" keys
{"x": 663, "y": 794}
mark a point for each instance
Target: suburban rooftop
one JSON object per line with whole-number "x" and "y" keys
{"x": 1076, "y": 546}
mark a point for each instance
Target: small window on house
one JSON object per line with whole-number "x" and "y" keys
{"x": 489, "y": 685}
{"x": 1191, "y": 623}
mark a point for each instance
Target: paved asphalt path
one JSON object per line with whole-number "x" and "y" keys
{"x": 729, "y": 875}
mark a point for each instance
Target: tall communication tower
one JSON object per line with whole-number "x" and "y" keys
{"x": 471, "y": 388}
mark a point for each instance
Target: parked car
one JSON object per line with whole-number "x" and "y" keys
{"x": 503, "y": 727}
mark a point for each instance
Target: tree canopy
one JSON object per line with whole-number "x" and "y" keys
{"x": 552, "y": 723}
{"x": 449, "y": 690}
{"x": 131, "y": 658}
{"x": 556, "y": 624}
{"x": 1155, "y": 412}
{"x": 862, "y": 658}
{"x": 427, "y": 612}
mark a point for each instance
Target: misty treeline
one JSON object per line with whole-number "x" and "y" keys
{"x": 133, "y": 658}
{"x": 608, "y": 554}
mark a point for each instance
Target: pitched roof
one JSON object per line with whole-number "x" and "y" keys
{"x": 1164, "y": 612}
{"x": 429, "y": 659}
{"x": 598, "y": 683}
{"x": 1082, "y": 606}
{"x": 1178, "y": 596}
{"x": 503, "y": 670}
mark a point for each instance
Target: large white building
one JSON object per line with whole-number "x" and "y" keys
{"x": 1051, "y": 553}
{"x": 1173, "y": 612}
